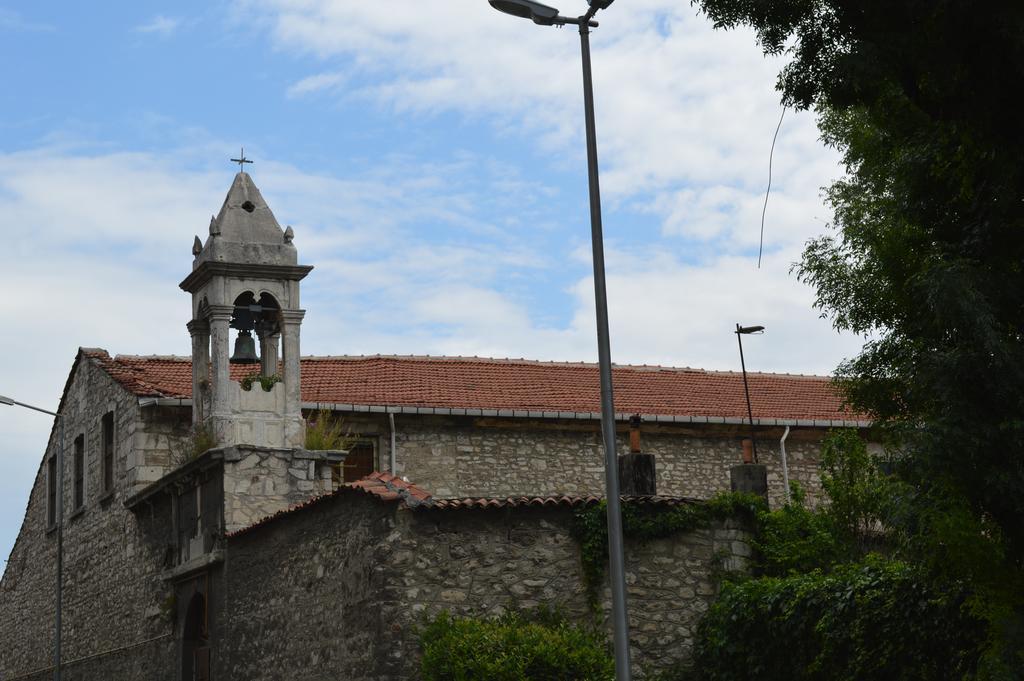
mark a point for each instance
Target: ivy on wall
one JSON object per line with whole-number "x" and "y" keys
{"x": 646, "y": 522}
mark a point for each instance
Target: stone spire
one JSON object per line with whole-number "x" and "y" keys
{"x": 245, "y": 278}
{"x": 246, "y": 231}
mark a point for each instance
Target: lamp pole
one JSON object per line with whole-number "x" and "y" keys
{"x": 740, "y": 332}
{"x": 59, "y": 516}
{"x": 548, "y": 16}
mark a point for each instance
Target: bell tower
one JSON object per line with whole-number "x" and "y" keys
{"x": 245, "y": 279}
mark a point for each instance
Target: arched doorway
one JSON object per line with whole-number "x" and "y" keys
{"x": 195, "y": 642}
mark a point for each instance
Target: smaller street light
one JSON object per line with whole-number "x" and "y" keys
{"x": 740, "y": 332}
{"x": 59, "y": 516}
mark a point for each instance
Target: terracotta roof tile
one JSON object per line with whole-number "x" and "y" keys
{"x": 392, "y": 489}
{"x": 520, "y": 385}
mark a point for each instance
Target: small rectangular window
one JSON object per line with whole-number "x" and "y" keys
{"x": 79, "y": 489}
{"x": 359, "y": 462}
{"x": 51, "y": 491}
{"x": 108, "y": 451}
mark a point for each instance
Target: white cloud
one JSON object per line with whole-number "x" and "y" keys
{"x": 14, "y": 21}
{"x": 685, "y": 113}
{"x": 317, "y": 83}
{"x": 160, "y": 25}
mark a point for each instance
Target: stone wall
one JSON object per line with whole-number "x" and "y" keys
{"x": 112, "y": 558}
{"x": 260, "y": 481}
{"x": 476, "y": 562}
{"x": 492, "y": 457}
{"x": 160, "y": 444}
{"x": 502, "y": 457}
{"x": 302, "y": 596}
{"x": 351, "y": 579}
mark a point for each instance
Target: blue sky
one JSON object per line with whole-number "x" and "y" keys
{"x": 430, "y": 158}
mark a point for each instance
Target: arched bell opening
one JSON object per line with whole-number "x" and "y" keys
{"x": 258, "y": 322}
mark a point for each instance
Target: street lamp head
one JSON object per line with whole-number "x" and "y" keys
{"x": 600, "y": 4}
{"x": 527, "y": 9}
{"x": 6, "y": 400}
{"x": 749, "y": 329}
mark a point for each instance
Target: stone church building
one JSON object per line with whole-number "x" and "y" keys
{"x": 203, "y": 539}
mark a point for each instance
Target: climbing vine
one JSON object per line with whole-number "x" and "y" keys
{"x": 646, "y": 522}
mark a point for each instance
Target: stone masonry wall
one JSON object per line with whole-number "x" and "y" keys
{"x": 112, "y": 592}
{"x": 301, "y": 596}
{"x": 474, "y": 562}
{"x": 260, "y": 481}
{"x": 352, "y": 578}
{"x": 465, "y": 456}
{"x": 468, "y": 456}
{"x": 161, "y": 443}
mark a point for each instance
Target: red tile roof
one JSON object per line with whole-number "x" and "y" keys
{"x": 510, "y": 384}
{"x": 392, "y": 489}
{"x": 382, "y": 486}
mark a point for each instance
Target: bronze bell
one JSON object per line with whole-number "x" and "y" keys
{"x": 245, "y": 349}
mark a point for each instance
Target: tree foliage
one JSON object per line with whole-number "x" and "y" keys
{"x": 876, "y": 620}
{"x": 928, "y": 251}
{"x": 926, "y": 256}
{"x": 845, "y": 591}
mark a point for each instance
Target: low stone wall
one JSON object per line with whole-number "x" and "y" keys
{"x": 475, "y": 562}
{"x": 352, "y": 578}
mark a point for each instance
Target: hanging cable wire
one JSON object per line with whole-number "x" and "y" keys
{"x": 771, "y": 155}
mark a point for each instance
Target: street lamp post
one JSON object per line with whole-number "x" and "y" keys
{"x": 740, "y": 332}
{"x": 548, "y": 16}
{"x": 59, "y": 516}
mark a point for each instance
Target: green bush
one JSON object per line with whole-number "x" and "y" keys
{"x": 512, "y": 648}
{"x": 875, "y": 620}
{"x": 797, "y": 539}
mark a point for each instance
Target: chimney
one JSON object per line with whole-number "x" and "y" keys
{"x": 748, "y": 450}
{"x": 637, "y": 474}
{"x": 634, "y": 434}
{"x": 749, "y": 476}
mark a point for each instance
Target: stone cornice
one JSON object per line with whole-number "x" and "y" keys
{"x": 207, "y": 270}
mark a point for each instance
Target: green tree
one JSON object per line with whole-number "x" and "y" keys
{"x": 926, "y": 254}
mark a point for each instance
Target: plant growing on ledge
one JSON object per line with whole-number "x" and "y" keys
{"x": 199, "y": 439}
{"x": 266, "y": 382}
{"x": 325, "y": 431}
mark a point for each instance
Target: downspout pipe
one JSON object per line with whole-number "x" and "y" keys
{"x": 391, "y": 422}
{"x": 785, "y": 465}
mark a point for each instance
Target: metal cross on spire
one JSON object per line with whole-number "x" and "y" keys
{"x": 241, "y": 160}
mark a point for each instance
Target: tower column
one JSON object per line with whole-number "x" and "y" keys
{"x": 268, "y": 353}
{"x": 291, "y": 320}
{"x": 220, "y": 351}
{"x": 200, "y": 331}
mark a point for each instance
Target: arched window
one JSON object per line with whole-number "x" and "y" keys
{"x": 195, "y": 642}
{"x": 264, "y": 317}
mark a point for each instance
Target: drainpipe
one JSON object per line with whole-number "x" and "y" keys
{"x": 391, "y": 422}
{"x": 785, "y": 464}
